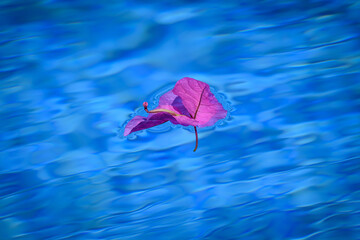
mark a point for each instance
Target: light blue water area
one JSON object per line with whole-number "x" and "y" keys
{"x": 284, "y": 164}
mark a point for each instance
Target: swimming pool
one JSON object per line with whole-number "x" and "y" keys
{"x": 284, "y": 164}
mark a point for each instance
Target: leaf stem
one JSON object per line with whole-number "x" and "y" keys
{"x": 197, "y": 140}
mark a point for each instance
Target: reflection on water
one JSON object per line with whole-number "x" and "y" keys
{"x": 284, "y": 164}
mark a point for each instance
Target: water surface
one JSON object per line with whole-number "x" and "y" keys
{"x": 283, "y": 165}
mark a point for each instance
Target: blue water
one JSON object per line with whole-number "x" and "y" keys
{"x": 284, "y": 164}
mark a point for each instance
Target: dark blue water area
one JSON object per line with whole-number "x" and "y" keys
{"x": 283, "y": 164}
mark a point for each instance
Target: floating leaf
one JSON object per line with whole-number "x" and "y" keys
{"x": 190, "y": 103}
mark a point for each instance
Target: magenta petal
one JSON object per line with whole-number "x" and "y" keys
{"x": 179, "y": 107}
{"x": 172, "y": 102}
{"x": 199, "y": 101}
{"x": 133, "y": 123}
{"x": 166, "y": 100}
{"x": 139, "y": 122}
{"x": 190, "y": 91}
{"x": 185, "y": 121}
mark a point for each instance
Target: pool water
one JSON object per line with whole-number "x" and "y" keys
{"x": 284, "y": 164}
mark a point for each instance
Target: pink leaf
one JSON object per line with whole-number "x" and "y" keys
{"x": 190, "y": 103}
{"x": 139, "y": 122}
{"x": 199, "y": 101}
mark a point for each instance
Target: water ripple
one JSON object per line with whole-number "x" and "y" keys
{"x": 284, "y": 164}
